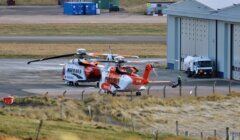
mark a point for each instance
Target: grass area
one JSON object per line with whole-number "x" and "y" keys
{"x": 12, "y": 50}
{"x": 136, "y": 5}
{"x": 59, "y": 130}
{"x": 82, "y": 29}
{"x": 36, "y": 2}
{"x": 22, "y": 118}
{"x": 47, "y": 108}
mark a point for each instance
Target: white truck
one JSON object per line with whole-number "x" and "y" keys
{"x": 198, "y": 66}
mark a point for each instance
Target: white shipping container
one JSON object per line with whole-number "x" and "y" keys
{"x": 98, "y": 11}
{"x": 154, "y": 5}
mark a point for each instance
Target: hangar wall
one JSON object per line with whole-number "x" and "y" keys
{"x": 228, "y": 51}
{"x": 235, "y": 55}
{"x": 189, "y": 36}
{"x": 173, "y": 41}
{"x": 223, "y": 51}
{"x": 198, "y": 27}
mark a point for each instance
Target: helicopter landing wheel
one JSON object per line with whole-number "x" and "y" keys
{"x": 97, "y": 85}
{"x": 109, "y": 92}
{"x": 114, "y": 93}
{"x": 138, "y": 93}
{"x": 76, "y": 84}
{"x": 70, "y": 83}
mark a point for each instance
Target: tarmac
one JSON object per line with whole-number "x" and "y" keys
{"x": 19, "y": 79}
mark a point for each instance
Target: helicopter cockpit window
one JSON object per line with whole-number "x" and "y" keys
{"x": 121, "y": 71}
{"x": 69, "y": 70}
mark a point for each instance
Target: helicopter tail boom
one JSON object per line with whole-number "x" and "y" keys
{"x": 147, "y": 71}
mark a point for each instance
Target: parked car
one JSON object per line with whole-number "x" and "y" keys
{"x": 114, "y": 8}
{"x": 10, "y": 2}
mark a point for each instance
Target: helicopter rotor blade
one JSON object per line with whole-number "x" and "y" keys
{"x": 53, "y": 57}
{"x": 113, "y": 56}
{"x": 122, "y": 61}
{"x": 155, "y": 73}
{"x": 129, "y": 56}
{"x": 107, "y": 61}
{"x": 94, "y": 54}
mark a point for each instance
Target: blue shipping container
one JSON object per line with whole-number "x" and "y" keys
{"x": 90, "y": 8}
{"x": 74, "y": 8}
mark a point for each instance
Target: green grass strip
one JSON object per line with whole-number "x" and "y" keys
{"x": 82, "y": 29}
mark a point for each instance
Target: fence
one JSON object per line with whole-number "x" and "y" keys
{"x": 196, "y": 89}
{"x": 199, "y": 88}
{"x": 204, "y": 134}
{"x": 226, "y": 134}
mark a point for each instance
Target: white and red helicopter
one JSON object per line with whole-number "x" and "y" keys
{"x": 80, "y": 69}
{"x": 123, "y": 79}
{"x": 77, "y": 69}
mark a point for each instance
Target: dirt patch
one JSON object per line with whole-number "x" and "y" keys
{"x": 8, "y": 138}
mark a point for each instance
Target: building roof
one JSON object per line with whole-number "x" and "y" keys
{"x": 231, "y": 13}
{"x": 228, "y": 10}
{"x": 218, "y": 4}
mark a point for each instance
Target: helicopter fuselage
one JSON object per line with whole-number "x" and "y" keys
{"x": 121, "y": 79}
{"x": 76, "y": 71}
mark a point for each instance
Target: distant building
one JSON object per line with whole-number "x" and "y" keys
{"x": 156, "y": 7}
{"x": 106, "y": 4}
{"x": 205, "y": 28}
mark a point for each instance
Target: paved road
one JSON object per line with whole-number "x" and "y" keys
{"x": 31, "y": 10}
{"x": 18, "y": 78}
{"x": 83, "y": 39}
{"x": 54, "y": 14}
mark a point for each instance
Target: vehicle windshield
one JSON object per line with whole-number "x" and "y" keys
{"x": 204, "y": 64}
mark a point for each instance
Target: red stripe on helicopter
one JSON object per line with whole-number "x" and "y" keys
{"x": 106, "y": 86}
{"x": 139, "y": 81}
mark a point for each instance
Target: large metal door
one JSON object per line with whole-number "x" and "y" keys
{"x": 236, "y": 53}
{"x": 201, "y": 47}
{"x": 194, "y": 38}
{"x": 187, "y": 37}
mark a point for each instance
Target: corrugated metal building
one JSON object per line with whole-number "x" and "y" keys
{"x": 205, "y": 28}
